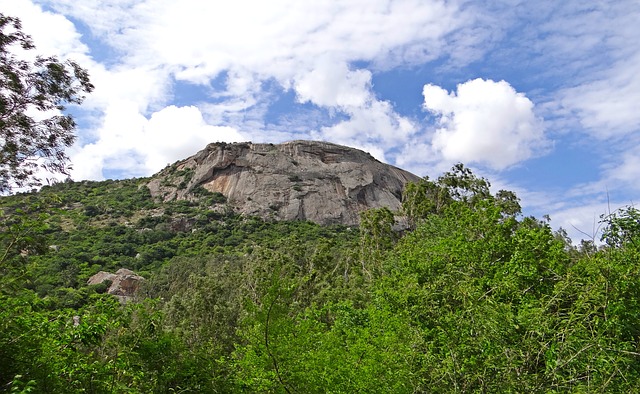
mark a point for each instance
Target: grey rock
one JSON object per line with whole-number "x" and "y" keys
{"x": 100, "y": 277}
{"x": 298, "y": 180}
{"x": 124, "y": 283}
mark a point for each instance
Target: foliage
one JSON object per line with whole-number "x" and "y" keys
{"x": 622, "y": 228}
{"x": 43, "y": 85}
{"x": 502, "y": 307}
{"x": 376, "y": 238}
{"x": 472, "y": 298}
{"x": 426, "y": 198}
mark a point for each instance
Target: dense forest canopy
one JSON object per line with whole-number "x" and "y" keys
{"x": 470, "y": 296}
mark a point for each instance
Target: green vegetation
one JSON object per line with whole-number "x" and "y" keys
{"x": 472, "y": 297}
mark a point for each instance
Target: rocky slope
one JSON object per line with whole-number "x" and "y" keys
{"x": 299, "y": 180}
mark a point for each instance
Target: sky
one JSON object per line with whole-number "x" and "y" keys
{"x": 540, "y": 97}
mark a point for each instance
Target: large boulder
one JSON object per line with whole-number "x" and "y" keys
{"x": 299, "y": 180}
{"x": 124, "y": 283}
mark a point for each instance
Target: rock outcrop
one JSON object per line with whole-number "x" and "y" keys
{"x": 124, "y": 283}
{"x": 299, "y": 180}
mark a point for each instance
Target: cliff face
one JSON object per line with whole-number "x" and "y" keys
{"x": 298, "y": 180}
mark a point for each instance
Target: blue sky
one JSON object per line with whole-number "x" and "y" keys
{"x": 541, "y": 98}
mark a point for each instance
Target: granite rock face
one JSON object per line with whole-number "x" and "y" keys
{"x": 299, "y": 180}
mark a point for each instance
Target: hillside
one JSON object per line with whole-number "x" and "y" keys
{"x": 470, "y": 297}
{"x": 225, "y": 200}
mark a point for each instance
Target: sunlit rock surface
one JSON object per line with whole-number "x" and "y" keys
{"x": 299, "y": 180}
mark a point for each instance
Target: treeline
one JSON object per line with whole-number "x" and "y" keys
{"x": 469, "y": 296}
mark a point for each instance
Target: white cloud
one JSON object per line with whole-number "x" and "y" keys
{"x": 193, "y": 134}
{"x": 332, "y": 84}
{"x": 65, "y": 43}
{"x": 276, "y": 40}
{"x": 608, "y": 106}
{"x": 375, "y": 123}
{"x": 592, "y": 47}
{"x": 484, "y": 122}
{"x": 629, "y": 170}
{"x": 143, "y": 87}
{"x": 275, "y": 37}
{"x": 371, "y": 124}
{"x": 619, "y": 174}
{"x": 309, "y": 47}
{"x": 133, "y": 145}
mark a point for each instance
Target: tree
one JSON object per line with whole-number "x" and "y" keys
{"x": 425, "y": 198}
{"x": 463, "y": 185}
{"x": 29, "y": 92}
{"x": 622, "y": 227}
{"x": 376, "y": 237}
{"x": 422, "y": 199}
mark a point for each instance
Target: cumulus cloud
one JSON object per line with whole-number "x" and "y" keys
{"x": 371, "y": 124}
{"x": 129, "y": 144}
{"x": 332, "y": 84}
{"x": 65, "y": 43}
{"x": 376, "y": 123}
{"x": 145, "y": 88}
{"x": 484, "y": 122}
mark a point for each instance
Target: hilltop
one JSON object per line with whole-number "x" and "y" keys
{"x": 299, "y": 180}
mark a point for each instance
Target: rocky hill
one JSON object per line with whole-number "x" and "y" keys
{"x": 299, "y": 180}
